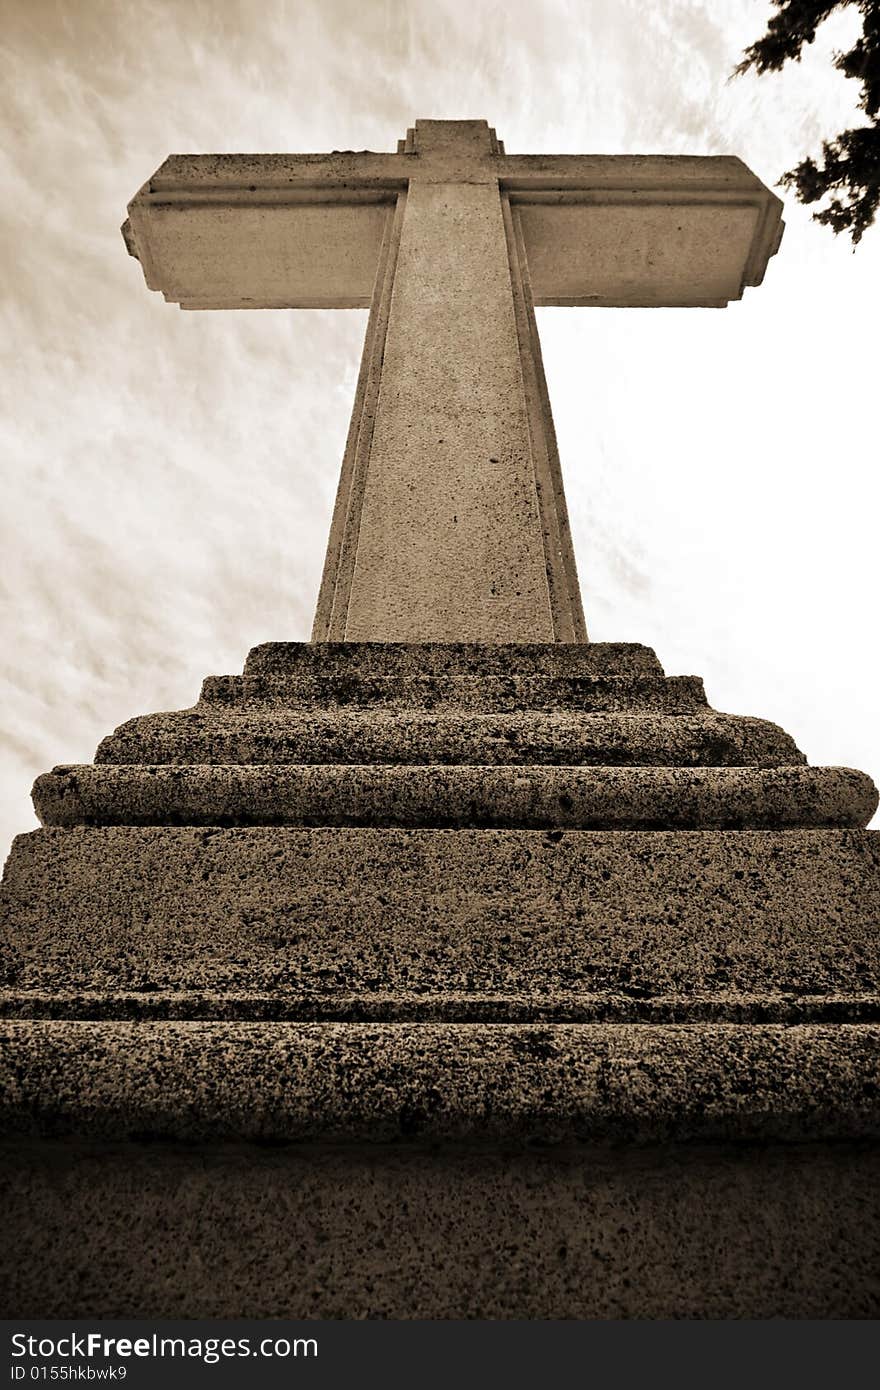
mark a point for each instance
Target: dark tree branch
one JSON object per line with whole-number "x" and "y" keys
{"x": 850, "y": 170}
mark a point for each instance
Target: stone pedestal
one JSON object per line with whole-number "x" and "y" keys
{"x": 443, "y": 981}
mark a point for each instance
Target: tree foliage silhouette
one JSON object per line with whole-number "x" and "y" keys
{"x": 850, "y": 168}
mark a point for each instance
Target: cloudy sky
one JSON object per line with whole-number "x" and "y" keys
{"x": 168, "y": 477}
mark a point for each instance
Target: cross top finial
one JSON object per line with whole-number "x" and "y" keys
{"x": 460, "y": 139}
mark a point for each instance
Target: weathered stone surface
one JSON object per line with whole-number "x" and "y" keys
{"x": 531, "y": 797}
{"x": 468, "y": 987}
{"x": 450, "y": 531}
{"x": 456, "y": 660}
{"x": 450, "y": 521}
{"x": 488, "y": 694}
{"x": 689, "y": 1231}
{"x": 263, "y": 734}
{"x": 378, "y": 1083}
{"x": 717, "y": 225}
{"x": 447, "y": 703}
{"x": 406, "y": 1010}
{"x": 454, "y": 923}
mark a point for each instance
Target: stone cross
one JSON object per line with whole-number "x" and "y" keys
{"x": 450, "y": 521}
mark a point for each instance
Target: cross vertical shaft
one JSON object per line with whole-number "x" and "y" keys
{"x": 450, "y": 521}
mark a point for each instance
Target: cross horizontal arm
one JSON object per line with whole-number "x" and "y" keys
{"x": 305, "y": 231}
{"x": 257, "y": 173}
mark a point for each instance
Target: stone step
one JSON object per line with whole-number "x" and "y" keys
{"x": 219, "y": 735}
{"x": 490, "y": 694}
{"x": 405, "y": 1083}
{"x": 533, "y": 797}
{"x": 475, "y": 659}
{"x": 503, "y": 922}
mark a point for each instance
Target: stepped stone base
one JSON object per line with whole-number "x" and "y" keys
{"x": 643, "y": 798}
{"x": 341, "y": 915}
{"x": 452, "y": 660}
{"x": 343, "y": 703}
{"x": 261, "y": 734}
{"x": 481, "y": 694}
{"x": 440, "y": 1082}
{"x": 553, "y": 991}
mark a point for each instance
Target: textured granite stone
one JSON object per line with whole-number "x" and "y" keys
{"x": 254, "y": 985}
{"x": 451, "y": 528}
{"x": 421, "y": 660}
{"x": 452, "y": 918}
{"x": 217, "y": 734}
{"x": 443, "y": 796}
{"x": 462, "y": 1082}
{"x": 697, "y": 1231}
{"x": 450, "y": 520}
{"x": 488, "y": 694}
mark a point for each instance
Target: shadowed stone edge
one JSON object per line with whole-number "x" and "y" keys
{"x": 530, "y": 797}
{"x": 453, "y": 1082}
{"x": 420, "y": 659}
{"x": 263, "y": 734}
{"x": 339, "y": 912}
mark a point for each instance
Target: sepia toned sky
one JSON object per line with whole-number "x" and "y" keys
{"x": 168, "y": 477}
